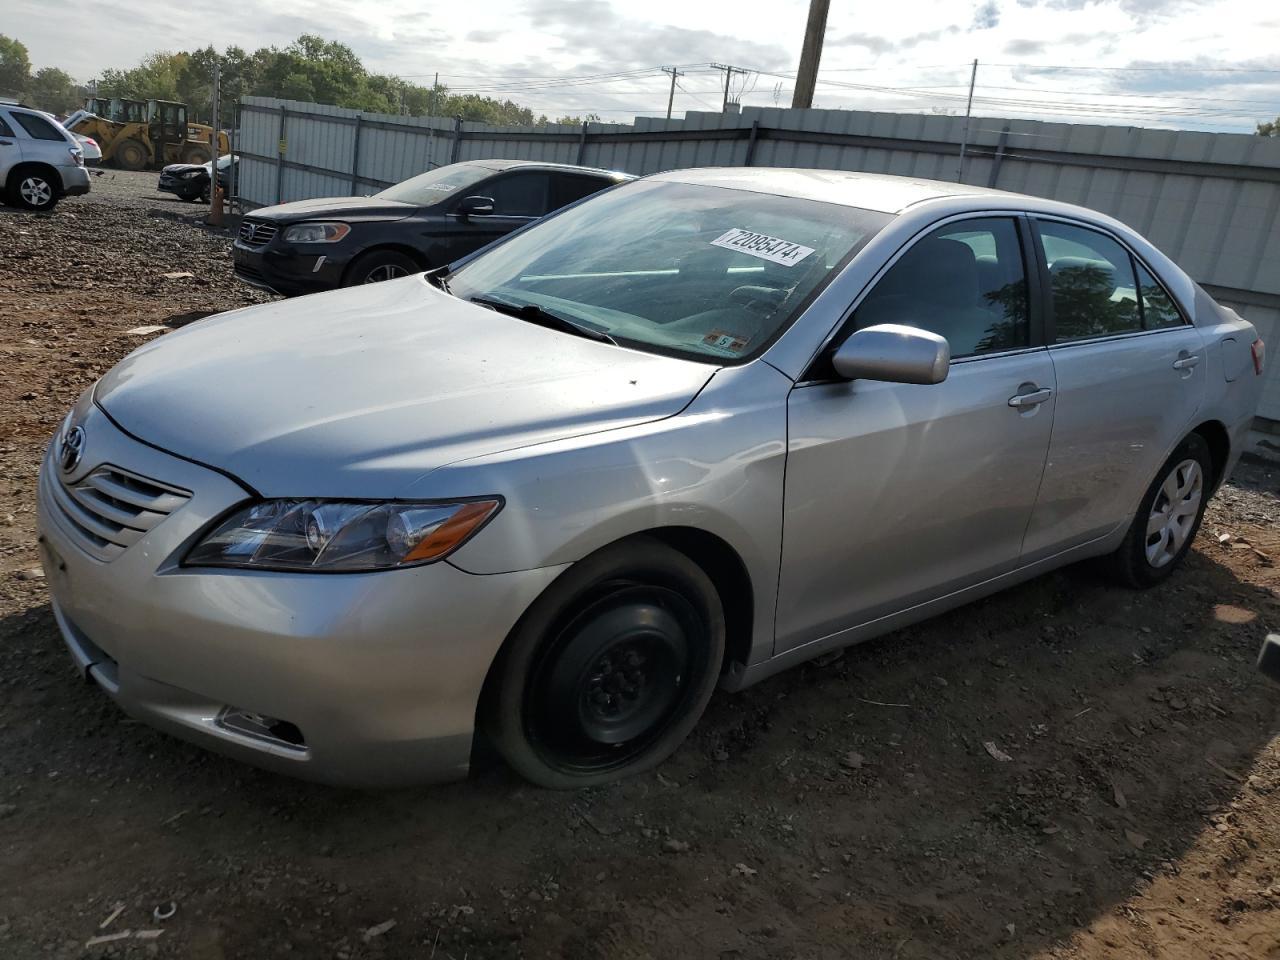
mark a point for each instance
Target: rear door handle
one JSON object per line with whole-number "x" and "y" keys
{"x": 1034, "y": 398}
{"x": 1186, "y": 363}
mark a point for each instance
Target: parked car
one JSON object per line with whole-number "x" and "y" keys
{"x": 427, "y": 221}
{"x": 40, "y": 161}
{"x": 89, "y": 149}
{"x": 694, "y": 430}
{"x": 190, "y": 181}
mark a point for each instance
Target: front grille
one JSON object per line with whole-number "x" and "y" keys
{"x": 112, "y": 509}
{"x": 256, "y": 233}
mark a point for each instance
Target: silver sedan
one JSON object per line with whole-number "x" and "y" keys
{"x": 692, "y": 431}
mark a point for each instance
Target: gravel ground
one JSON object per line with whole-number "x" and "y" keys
{"x": 848, "y": 808}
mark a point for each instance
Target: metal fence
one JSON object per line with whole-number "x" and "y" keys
{"x": 1209, "y": 200}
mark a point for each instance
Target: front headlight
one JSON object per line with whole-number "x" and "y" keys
{"x": 339, "y": 536}
{"x": 192, "y": 174}
{"x": 316, "y": 232}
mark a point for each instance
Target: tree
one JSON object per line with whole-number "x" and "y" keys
{"x": 1269, "y": 129}
{"x": 53, "y": 90}
{"x": 15, "y": 66}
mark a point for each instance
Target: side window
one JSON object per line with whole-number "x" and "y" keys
{"x": 38, "y": 127}
{"x": 567, "y": 188}
{"x": 964, "y": 281}
{"x": 1091, "y": 275}
{"x": 519, "y": 195}
{"x": 1158, "y": 309}
{"x": 5, "y": 129}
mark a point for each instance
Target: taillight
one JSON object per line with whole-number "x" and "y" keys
{"x": 76, "y": 155}
{"x": 1259, "y": 351}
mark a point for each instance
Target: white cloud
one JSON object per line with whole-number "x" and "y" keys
{"x": 916, "y": 53}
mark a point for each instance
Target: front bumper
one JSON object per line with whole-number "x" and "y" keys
{"x": 380, "y": 673}
{"x": 287, "y": 271}
{"x": 182, "y": 187}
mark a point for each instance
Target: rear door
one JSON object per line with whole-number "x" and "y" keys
{"x": 897, "y": 494}
{"x": 10, "y": 148}
{"x": 1131, "y": 376}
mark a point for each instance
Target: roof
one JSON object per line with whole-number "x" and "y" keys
{"x": 868, "y": 191}
{"x": 496, "y": 164}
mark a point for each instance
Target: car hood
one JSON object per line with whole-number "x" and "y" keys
{"x": 179, "y": 168}
{"x": 360, "y": 392}
{"x": 345, "y": 208}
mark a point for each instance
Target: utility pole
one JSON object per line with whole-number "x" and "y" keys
{"x": 671, "y": 98}
{"x": 729, "y": 71}
{"x": 968, "y": 112}
{"x": 810, "y": 53}
{"x": 215, "y": 185}
{"x": 434, "y": 86}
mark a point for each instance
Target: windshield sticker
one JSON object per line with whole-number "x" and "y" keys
{"x": 773, "y": 249}
{"x": 441, "y": 187}
{"x": 732, "y": 342}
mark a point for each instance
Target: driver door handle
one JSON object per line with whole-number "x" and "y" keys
{"x": 1034, "y": 398}
{"x": 1186, "y": 363}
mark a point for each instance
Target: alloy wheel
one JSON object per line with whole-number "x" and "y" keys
{"x": 388, "y": 271}
{"x": 1174, "y": 512}
{"x": 36, "y": 191}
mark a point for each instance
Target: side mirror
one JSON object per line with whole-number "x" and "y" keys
{"x": 473, "y": 206}
{"x": 893, "y": 353}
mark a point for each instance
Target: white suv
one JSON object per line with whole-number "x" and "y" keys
{"x": 40, "y": 162}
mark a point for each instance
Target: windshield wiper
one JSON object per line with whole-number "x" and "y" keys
{"x": 543, "y": 318}
{"x": 439, "y": 279}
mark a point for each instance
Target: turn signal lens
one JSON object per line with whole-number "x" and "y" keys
{"x": 1259, "y": 351}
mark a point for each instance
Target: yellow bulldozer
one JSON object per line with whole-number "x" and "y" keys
{"x": 135, "y": 134}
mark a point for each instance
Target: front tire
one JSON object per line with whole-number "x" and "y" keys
{"x": 1168, "y": 517}
{"x": 609, "y": 670}
{"x": 131, "y": 155}
{"x": 379, "y": 265}
{"x": 33, "y": 190}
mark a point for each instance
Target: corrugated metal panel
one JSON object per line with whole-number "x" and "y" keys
{"x": 1219, "y": 224}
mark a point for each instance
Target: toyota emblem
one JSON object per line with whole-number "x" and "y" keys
{"x": 71, "y": 449}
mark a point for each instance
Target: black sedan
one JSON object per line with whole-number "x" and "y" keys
{"x": 427, "y": 221}
{"x": 190, "y": 181}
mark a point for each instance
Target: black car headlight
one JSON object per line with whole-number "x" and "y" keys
{"x": 340, "y": 535}
{"x": 316, "y": 232}
{"x": 191, "y": 174}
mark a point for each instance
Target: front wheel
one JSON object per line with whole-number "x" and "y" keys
{"x": 1168, "y": 517}
{"x": 379, "y": 265}
{"x": 609, "y": 670}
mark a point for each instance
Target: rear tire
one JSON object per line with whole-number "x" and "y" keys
{"x": 131, "y": 155}
{"x": 379, "y": 265}
{"x": 34, "y": 189}
{"x": 609, "y": 670}
{"x": 1168, "y": 518}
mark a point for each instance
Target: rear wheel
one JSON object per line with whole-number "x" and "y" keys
{"x": 379, "y": 265}
{"x": 33, "y": 189}
{"x": 1168, "y": 517}
{"x": 131, "y": 155}
{"x": 609, "y": 670}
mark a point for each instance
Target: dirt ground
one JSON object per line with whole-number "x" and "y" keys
{"x": 1127, "y": 806}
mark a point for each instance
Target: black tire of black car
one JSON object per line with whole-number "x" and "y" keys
{"x": 544, "y": 637}
{"x": 1128, "y": 565}
{"x": 366, "y": 266}
{"x": 20, "y": 175}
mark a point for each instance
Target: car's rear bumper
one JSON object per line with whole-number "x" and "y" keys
{"x": 286, "y": 271}
{"x": 378, "y": 674}
{"x": 75, "y": 181}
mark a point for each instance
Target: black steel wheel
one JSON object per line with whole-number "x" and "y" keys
{"x": 610, "y": 669}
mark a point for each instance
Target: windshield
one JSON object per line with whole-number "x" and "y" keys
{"x": 437, "y": 185}
{"x": 698, "y": 271}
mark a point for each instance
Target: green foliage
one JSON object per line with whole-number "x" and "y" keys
{"x": 53, "y": 90}
{"x": 155, "y": 78}
{"x": 577, "y": 121}
{"x": 1269, "y": 129}
{"x": 15, "y": 66}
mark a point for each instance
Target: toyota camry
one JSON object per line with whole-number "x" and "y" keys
{"x": 686, "y": 433}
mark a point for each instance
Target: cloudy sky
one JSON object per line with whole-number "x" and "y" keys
{"x": 1199, "y": 64}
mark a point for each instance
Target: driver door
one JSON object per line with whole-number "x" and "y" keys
{"x": 518, "y": 198}
{"x": 897, "y": 494}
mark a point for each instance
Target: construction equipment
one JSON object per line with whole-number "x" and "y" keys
{"x": 135, "y": 134}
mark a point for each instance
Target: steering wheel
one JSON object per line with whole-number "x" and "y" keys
{"x": 753, "y": 295}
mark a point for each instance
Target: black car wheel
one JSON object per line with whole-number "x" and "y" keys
{"x": 609, "y": 670}
{"x": 379, "y": 265}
